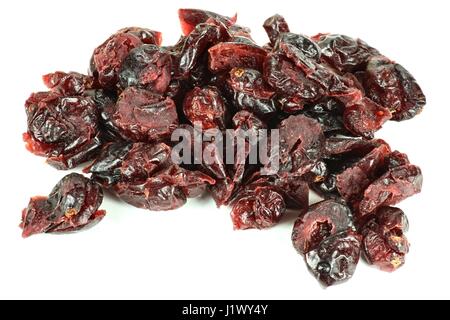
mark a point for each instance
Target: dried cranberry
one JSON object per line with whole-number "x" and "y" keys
{"x": 352, "y": 182}
{"x": 394, "y": 186}
{"x": 195, "y": 45}
{"x": 344, "y": 53}
{"x": 328, "y": 113}
{"x": 322, "y": 220}
{"x": 336, "y": 258}
{"x": 141, "y": 115}
{"x": 147, "y": 67}
{"x": 71, "y": 206}
{"x": 63, "y": 129}
{"x": 275, "y": 26}
{"x": 144, "y": 176}
{"x": 108, "y": 58}
{"x": 384, "y": 242}
{"x": 205, "y": 105}
{"x": 365, "y": 117}
{"x": 228, "y": 55}
{"x": 289, "y": 80}
{"x": 301, "y": 144}
{"x": 147, "y": 36}
{"x": 260, "y": 208}
{"x": 190, "y": 18}
{"x": 250, "y": 92}
{"x": 390, "y": 85}
{"x": 304, "y": 52}
{"x": 68, "y": 84}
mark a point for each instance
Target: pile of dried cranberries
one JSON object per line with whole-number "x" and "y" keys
{"x": 326, "y": 95}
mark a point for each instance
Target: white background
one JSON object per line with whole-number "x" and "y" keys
{"x": 193, "y": 252}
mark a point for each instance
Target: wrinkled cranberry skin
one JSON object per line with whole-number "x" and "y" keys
{"x": 300, "y": 49}
{"x": 189, "y": 18}
{"x": 228, "y": 55}
{"x": 274, "y": 26}
{"x": 391, "y": 188}
{"x": 147, "y": 36}
{"x": 71, "y": 206}
{"x": 68, "y": 84}
{"x": 384, "y": 242}
{"x": 194, "y": 46}
{"x": 143, "y": 116}
{"x": 147, "y": 67}
{"x": 144, "y": 176}
{"x": 328, "y": 113}
{"x": 289, "y": 80}
{"x": 344, "y": 53}
{"x": 336, "y": 258}
{"x": 397, "y": 159}
{"x": 352, "y": 182}
{"x": 350, "y": 146}
{"x": 301, "y": 144}
{"x": 63, "y": 129}
{"x": 260, "y": 208}
{"x": 392, "y": 86}
{"x": 154, "y": 194}
{"x": 365, "y": 117}
{"x": 250, "y": 92}
{"x": 206, "y": 106}
{"x": 108, "y": 58}
{"x": 322, "y": 220}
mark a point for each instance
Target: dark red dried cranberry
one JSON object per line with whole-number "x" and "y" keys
{"x": 260, "y": 208}
{"x": 275, "y": 26}
{"x": 190, "y": 18}
{"x": 228, "y": 55}
{"x": 141, "y": 115}
{"x": 392, "y": 86}
{"x": 63, "y": 129}
{"x": 71, "y": 206}
{"x": 144, "y": 176}
{"x": 365, "y": 117}
{"x": 384, "y": 242}
{"x": 301, "y": 144}
{"x": 250, "y": 92}
{"x": 322, "y": 220}
{"x": 352, "y": 182}
{"x": 394, "y": 186}
{"x": 108, "y": 58}
{"x": 147, "y": 67}
{"x": 206, "y": 106}
{"x": 68, "y": 84}
{"x": 147, "y": 36}
{"x": 336, "y": 258}
{"x": 344, "y": 53}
